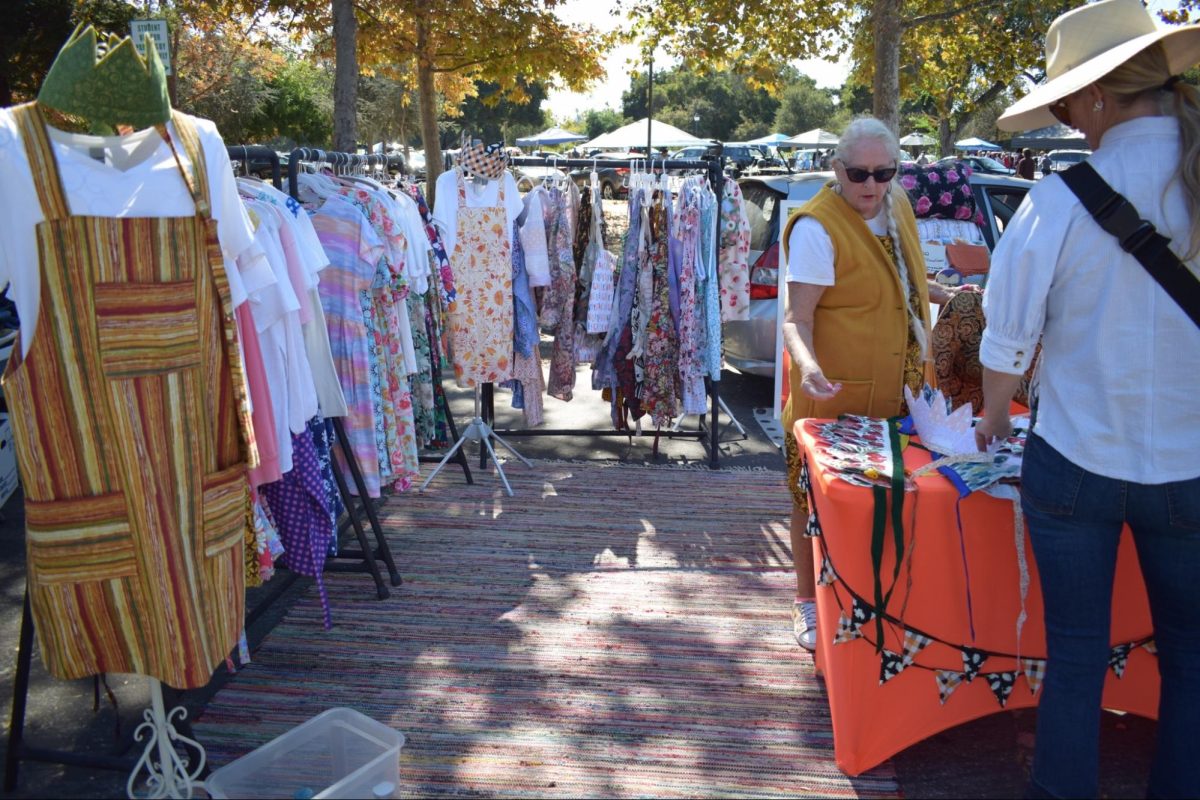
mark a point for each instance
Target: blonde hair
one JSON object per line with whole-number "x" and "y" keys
{"x": 870, "y": 129}
{"x": 1147, "y": 74}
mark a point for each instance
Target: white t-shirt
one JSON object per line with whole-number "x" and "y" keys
{"x": 810, "y": 250}
{"x": 445, "y": 212}
{"x": 139, "y": 178}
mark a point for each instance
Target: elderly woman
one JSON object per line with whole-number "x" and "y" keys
{"x": 1116, "y": 437}
{"x": 857, "y": 319}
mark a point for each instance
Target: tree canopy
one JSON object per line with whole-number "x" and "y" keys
{"x": 708, "y": 104}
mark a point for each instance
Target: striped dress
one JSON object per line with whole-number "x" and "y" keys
{"x": 354, "y": 251}
{"x": 133, "y": 437}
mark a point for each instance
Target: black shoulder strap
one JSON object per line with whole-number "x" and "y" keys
{"x": 1137, "y": 236}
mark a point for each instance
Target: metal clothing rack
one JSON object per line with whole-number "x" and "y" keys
{"x": 714, "y": 167}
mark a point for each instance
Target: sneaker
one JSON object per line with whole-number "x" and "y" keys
{"x": 804, "y": 624}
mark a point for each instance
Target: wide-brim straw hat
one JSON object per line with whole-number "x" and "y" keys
{"x": 1089, "y": 42}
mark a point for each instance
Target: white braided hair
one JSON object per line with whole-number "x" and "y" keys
{"x": 869, "y": 128}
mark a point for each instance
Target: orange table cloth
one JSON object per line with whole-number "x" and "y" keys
{"x": 873, "y": 721}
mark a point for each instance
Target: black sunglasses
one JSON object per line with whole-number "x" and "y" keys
{"x": 860, "y": 175}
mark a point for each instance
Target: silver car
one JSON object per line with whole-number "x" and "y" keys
{"x": 750, "y": 344}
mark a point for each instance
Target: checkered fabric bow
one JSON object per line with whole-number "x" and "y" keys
{"x": 486, "y": 161}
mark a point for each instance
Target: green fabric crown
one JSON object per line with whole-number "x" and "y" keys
{"x": 104, "y": 80}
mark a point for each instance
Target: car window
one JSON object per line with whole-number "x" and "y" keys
{"x": 760, "y": 207}
{"x": 1004, "y": 202}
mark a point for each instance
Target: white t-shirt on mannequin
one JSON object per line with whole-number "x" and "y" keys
{"x": 445, "y": 212}
{"x": 138, "y": 178}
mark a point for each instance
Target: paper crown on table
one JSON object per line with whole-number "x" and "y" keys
{"x": 945, "y": 432}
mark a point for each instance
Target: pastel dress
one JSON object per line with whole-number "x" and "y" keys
{"x": 133, "y": 434}
{"x": 481, "y": 316}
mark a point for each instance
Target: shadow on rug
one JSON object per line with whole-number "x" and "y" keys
{"x": 610, "y": 631}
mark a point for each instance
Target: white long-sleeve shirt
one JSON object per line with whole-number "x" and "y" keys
{"x": 1120, "y": 363}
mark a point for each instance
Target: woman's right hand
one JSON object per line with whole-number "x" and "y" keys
{"x": 814, "y": 384}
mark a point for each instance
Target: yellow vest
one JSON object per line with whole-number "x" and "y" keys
{"x": 860, "y": 327}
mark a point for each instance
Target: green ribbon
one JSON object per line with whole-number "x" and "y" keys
{"x": 879, "y": 526}
{"x": 105, "y": 81}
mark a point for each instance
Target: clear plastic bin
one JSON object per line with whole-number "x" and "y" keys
{"x": 338, "y": 753}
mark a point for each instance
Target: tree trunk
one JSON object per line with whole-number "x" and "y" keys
{"x": 886, "y": 28}
{"x": 427, "y": 101}
{"x": 945, "y": 136}
{"x": 345, "y": 76}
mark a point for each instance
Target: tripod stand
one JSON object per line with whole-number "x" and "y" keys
{"x": 479, "y": 431}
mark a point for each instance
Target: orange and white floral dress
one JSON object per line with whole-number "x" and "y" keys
{"x": 481, "y": 316}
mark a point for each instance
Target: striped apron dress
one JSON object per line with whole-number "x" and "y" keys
{"x": 132, "y": 435}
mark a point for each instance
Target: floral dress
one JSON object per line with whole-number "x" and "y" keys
{"x": 481, "y": 316}
{"x": 691, "y": 319}
{"x": 734, "y": 255}
{"x": 661, "y": 359}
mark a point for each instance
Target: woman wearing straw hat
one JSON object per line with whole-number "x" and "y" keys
{"x": 1117, "y": 435}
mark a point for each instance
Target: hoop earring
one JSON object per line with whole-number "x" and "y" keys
{"x": 1098, "y": 106}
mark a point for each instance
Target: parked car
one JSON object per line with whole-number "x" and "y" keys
{"x": 984, "y": 164}
{"x": 750, "y": 343}
{"x": 528, "y": 177}
{"x": 612, "y": 175}
{"x": 1065, "y": 159}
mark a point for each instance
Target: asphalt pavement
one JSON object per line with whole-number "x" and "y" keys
{"x": 985, "y": 758}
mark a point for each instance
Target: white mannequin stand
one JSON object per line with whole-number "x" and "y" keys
{"x": 167, "y": 773}
{"x": 479, "y": 431}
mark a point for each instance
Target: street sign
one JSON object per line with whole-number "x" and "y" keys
{"x": 157, "y": 28}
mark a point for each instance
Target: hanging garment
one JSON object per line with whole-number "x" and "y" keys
{"x": 691, "y": 314}
{"x": 353, "y": 249}
{"x": 133, "y": 435}
{"x": 734, "y": 254}
{"x": 659, "y": 388}
{"x": 558, "y": 300}
{"x": 528, "y": 383}
{"x": 300, "y": 507}
{"x": 481, "y": 317}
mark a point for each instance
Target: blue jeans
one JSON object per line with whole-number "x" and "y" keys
{"x": 1074, "y": 519}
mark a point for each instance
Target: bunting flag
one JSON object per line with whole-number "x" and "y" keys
{"x": 850, "y": 627}
{"x": 828, "y": 576}
{"x": 1118, "y": 657}
{"x": 846, "y": 630}
{"x": 1151, "y": 647}
{"x": 947, "y": 681}
{"x": 1035, "y": 672}
{"x": 1001, "y": 684}
{"x": 890, "y": 665}
{"x": 972, "y": 662}
{"x": 805, "y": 481}
{"x": 913, "y": 643}
{"x": 813, "y": 528}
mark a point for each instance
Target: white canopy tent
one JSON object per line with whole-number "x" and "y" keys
{"x": 774, "y": 138}
{"x": 549, "y": 136}
{"x": 917, "y": 140}
{"x": 815, "y": 138}
{"x": 635, "y": 133}
{"x": 975, "y": 143}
